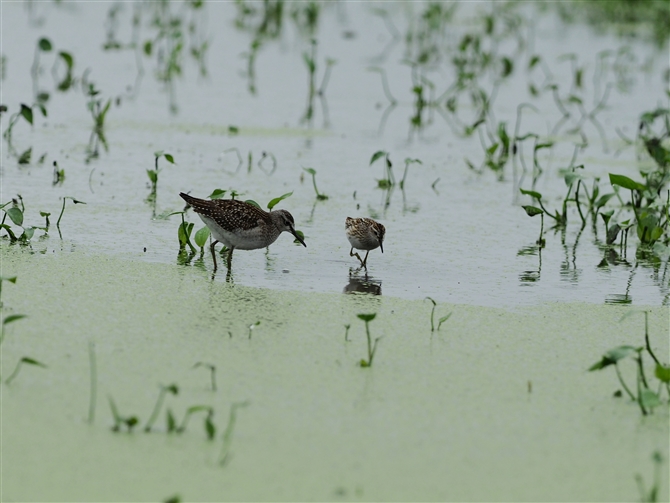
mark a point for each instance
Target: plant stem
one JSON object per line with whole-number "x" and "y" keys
{"x": 646, "y": 337}
{"x": 61, "y": 213}
{"x": 157, "y": 408}
{"x": 94, "y": 382}
{"x": 639, "y": 391}
{"x": 618, "y": 373}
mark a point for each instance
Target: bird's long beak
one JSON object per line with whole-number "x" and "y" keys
{"x": 381, "y": 245}
{"x": 302, "y": 241}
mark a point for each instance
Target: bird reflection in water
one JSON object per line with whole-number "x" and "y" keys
{"x": 363, "y": 284}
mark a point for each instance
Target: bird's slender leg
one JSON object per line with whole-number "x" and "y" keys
{"x": 365, "y": 260}
{"x": 352, "y": 254}
{"x": 230, "y": 257}
{"x": 214, "y": 254}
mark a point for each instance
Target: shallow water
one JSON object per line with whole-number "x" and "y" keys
{"x": 462, "y": 242}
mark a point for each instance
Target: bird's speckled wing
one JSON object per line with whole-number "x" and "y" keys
{"x": 232, "y": 215}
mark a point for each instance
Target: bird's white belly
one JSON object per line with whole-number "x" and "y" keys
{"x": 251, "y": 239}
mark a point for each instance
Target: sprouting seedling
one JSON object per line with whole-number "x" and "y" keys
{"x": 372, "y": 348}
{"x": 432, "y": 316}
{"x": 75, "y": 201}
{"x": 212, "y": 372}
{"x": 184, "y": 232}
{"x": 27, "y": 361}
{"x": 46, "y": 216}
{"x": 94, "y": 382}
{"x": 173, "y": 389}
{"x": 389, "y": 181}
{"x": 98, "y": 113}
{"x": 408, "y": 161}
{"x": 153, "y": 173}
{"x": 130, "y": 421}
{"x": 319, "y": 196}
{"x": 59, "y": 175}
{"x": 252, "y": 326}
{"x": 189, "y": 412}
{"x": 346, "y": 332}
{"x": 531, "y": 211}
{"x": 7, "y": 320}
{"x": 173, "y": 499}
{"x": 651, "y": 496}
{"x": 225, "y": 455}
{"x": 217, "y": 194}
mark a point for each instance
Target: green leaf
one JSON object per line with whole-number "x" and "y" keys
{"x": 574, "y": 99}
{"x": 531, "y": 211}
{"x": 148, "y": 45}
{"x": 492, "y": 149}
{"x": 24, "y": 158}
{"x": 217, "y": 194}
{"x": 251, "y": 201}
{"x": 44, "y": 44}
{"x": 532, "y": 193}
{"x": 31, "y": 361}
{"x": 201, "y": 236}
{"x": 16, "y": 215}
{"x": 310, "y": 171}
{"x": 171, "y": 421}
{"x": 649, "y": 399}
{"x": 276, "y": 200}
{"x": 12, "y": 318}
{"x": 233, "y": 130}
{"x": 210, "y": 429}
{"x": 662, "y": 372}
{"x": 540, "y": 146}
{"x": 27, "y": 113}
{"x": 28, "y": 233}
{"x": 625, "y": 182}
{"x": 377, "y": 155}
{"x": 172, "y": 388}
{"x": 67, "y": 57}
{"x": 153, "y": 175}
{"x": 367, "y": 317}
{"x": 533, "y": 61}
{"x": 169, "y": 158}
{"x": 571, "y": 177}
{"x": 11, "y": 279}
{"x": 614, "y": 355}
{"x": 302, "y": 236}
{"x": 602, "y": 200}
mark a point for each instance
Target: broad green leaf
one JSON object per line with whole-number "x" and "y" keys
{"x": 44, "y": 44}
{"x": 377, "y": 155}
{"x": 13, "y": 317}
{"x": 492, "y": 149}
{"x": 28, "y": 233}
{"x": 432, "y": 300}
{"x": 311, "y": 171}
{"x": 367, "y": 317}
{"x": 662, "y": 372}
{"x": 172, "y": 388}
{"x": 625, "y": 182}
{"x": 571, "y": 177}
{"x": 531, "y": 211}
{"x": 540, "y": 146}
{"x": 602, "y": 200}
{"x": 153, "y": 175}
{"x": 302, "y": 236}
{"x": 209, "y": 426}
{"x": 11, "y": 279}
{"x": 233, "y": 129}
{"x": 148, "y": 46}
{"x": 532, "y": 193}
{"x": 158, "y": 153}
{"x": 16, "y": 215}
{"x": 533, "y": 61}
{"x": 201, "y": 237}
{"x": 169, "y": 158}
{"x": 276, "y": 200}
{"x": 649, "y": 399}
{"x": 614, "y": 355}
{"x": 251, "y": 201}
{"x": 217, "y": 194}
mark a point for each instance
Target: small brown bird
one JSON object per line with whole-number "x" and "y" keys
{"x": 364, "y": 234}
{"x": 242, "y": 225}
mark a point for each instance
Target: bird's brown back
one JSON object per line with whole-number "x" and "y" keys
{"x": 230, "y": 214}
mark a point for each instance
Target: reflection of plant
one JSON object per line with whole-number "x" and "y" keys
{"x": 372, "y": 348}
{"x": 98, "y": 113}
{"x": 651, "y": 496}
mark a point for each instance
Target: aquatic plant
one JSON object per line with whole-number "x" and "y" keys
{"x": 23, "y": 361}
{"x": 346, "y": 332}
{"x": 93, "y": 373}
{"x": 372, "y": 348}
{"x": 212, "y": 372}
{"x": 389, "y": 181}
{"x": 252, "y": 326}
{"x": 225, "y": 454}
{"x": 172, "y": 389}
{"x": 98, "y": 113}
{"x": 432, "y": 316}
{"x": 646, "y": 398}
{"x": 130, "y": 422}
{"x": 408, "y": 161}
{"x": 210, "y": 429}
{"x": 153, "y": 173}
{"x": 531, "y": 211}
{"x": 651, "y": 496}
{"x": 60, "y": 216}
{"x": 319, "y": 196}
